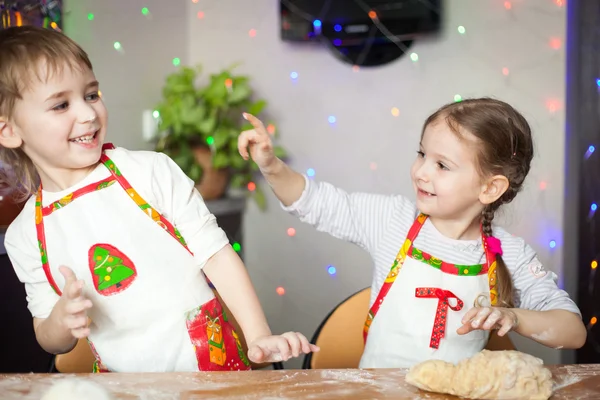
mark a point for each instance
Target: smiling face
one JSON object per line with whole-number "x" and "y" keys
{"x": 445, "y": 176}
{"x": 60, "y": 122}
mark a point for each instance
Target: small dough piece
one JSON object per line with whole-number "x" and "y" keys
{"x": 488, "y": 375}
{"x": 76, "y": 389}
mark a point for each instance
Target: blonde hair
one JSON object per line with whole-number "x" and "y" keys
{"x": 24, "y": 51}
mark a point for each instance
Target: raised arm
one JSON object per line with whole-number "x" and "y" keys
{"x": 359, "y": 218}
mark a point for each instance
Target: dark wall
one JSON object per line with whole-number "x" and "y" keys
{"x": 582, "y": 177}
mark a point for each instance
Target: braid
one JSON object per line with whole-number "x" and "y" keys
{"x": 504, "y": 283}
{"x": 487, "y": 217}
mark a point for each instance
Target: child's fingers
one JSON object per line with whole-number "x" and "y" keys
{"x": 492, "y": 319}
{"x": 506, "y": 325}
{"x": 73, "y": 290}
{"x": 78, "y": 306}
{"x": 469, "y": 315}
{"x": 77, "y": 321}
{"x": 304, "y": 343}
{"x": 465, "y": 328}
{"x": 243, "y": 142}
{"x": 481, "y": 316}
{"x": 72, "y": 285}
{"x": 256, "y": 123}
{"x": 68, "y": 274}
{"x": 80, "y": 333}
{"x": 294, "y": 342}
{"x": 256, "y": 354}
{"x": 246, "y": 139}
{"x": 314, "y": 348}
{"x": 284, "y": 349}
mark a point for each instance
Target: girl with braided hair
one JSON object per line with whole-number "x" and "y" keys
{"x": 445, "y": 276}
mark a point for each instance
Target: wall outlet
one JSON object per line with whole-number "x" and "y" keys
{"x": 150, "y": 120}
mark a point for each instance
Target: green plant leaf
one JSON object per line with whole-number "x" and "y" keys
{"x": 240, "y": 91}
{"x": 257, "y": 108}
{"x": 237, "y": 162}
{"x": 191, "y": 112}
{"x": 195, "y": 172}
{"x": 238, "y": 180}
{"x": 216, "y": 92}
{"x": 220, "y": 160}
{"x": 221, "y": 138}
{"x": 207, "y": 125}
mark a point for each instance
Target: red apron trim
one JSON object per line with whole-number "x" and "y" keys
{"x": 92, "y": 187}
{"x": 98, "y": 367}
{"x": 441, "y": 314}
{"x": 41, "y": 236}
{"x": 446, "y": 267}
{"x": 143, "y": 204}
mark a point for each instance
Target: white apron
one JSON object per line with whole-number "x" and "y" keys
{"x": 425, "y": 300}
{"x": 153, "y": 309}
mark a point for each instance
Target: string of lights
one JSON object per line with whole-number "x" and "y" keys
{"x": 552, "y": 104}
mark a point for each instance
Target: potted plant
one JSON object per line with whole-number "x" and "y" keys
{"x": 200, "y": 123}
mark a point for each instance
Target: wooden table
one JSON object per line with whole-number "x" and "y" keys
{"x": 571, "y": 382}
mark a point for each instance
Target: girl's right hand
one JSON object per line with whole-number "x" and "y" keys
{"x": 259, "y": 144}
{"x": 73, "y": 305}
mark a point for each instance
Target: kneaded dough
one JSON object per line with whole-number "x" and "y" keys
{"x": 488, "y": 375}
{"x": 77, "y": 389}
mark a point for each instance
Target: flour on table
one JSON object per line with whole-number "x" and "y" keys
{"x": 77, "y": 389}
{"x": 566, "y": 381}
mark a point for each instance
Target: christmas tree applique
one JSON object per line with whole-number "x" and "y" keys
{"x": 112, "y": 270}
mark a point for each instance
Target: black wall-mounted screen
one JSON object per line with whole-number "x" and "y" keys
{"x": 347, "y": 22}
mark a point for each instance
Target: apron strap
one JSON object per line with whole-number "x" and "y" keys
{"x": 143, "y": 204}
{"x": 389, "y": 280}
{"x": 116, "y": 176}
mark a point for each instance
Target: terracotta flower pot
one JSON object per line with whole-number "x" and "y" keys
{"x": 214, "y": 182}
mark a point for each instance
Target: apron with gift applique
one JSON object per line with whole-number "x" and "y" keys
{"x": 153, "y": 309}
{"x": 425, "y": 301}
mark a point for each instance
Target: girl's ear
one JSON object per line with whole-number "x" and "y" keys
{"x": 493, "y": 189}
{"x": 8, "y": 137}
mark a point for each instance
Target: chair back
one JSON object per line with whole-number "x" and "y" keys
{"x": 340, "y": 335}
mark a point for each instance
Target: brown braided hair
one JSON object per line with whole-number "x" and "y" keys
{"x": 506, "y": 148}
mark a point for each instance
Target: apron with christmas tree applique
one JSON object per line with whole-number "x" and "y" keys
{"x": 425, "y": 301}
{"x": 153, "y": 309}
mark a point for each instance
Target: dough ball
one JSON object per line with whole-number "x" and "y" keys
{"x": 76, "y": 389}
{"x": 488, "y": 375}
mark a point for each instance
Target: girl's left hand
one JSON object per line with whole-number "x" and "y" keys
{"x": 488, "y": 318}
{"x": 277, "y": 348}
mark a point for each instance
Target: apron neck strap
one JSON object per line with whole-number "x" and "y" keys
{"x": 491, "y": 245}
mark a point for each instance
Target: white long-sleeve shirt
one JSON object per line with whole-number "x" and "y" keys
{"x": 379, "y": 224}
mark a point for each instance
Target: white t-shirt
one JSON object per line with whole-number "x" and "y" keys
{"x": 157, "y": 179}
